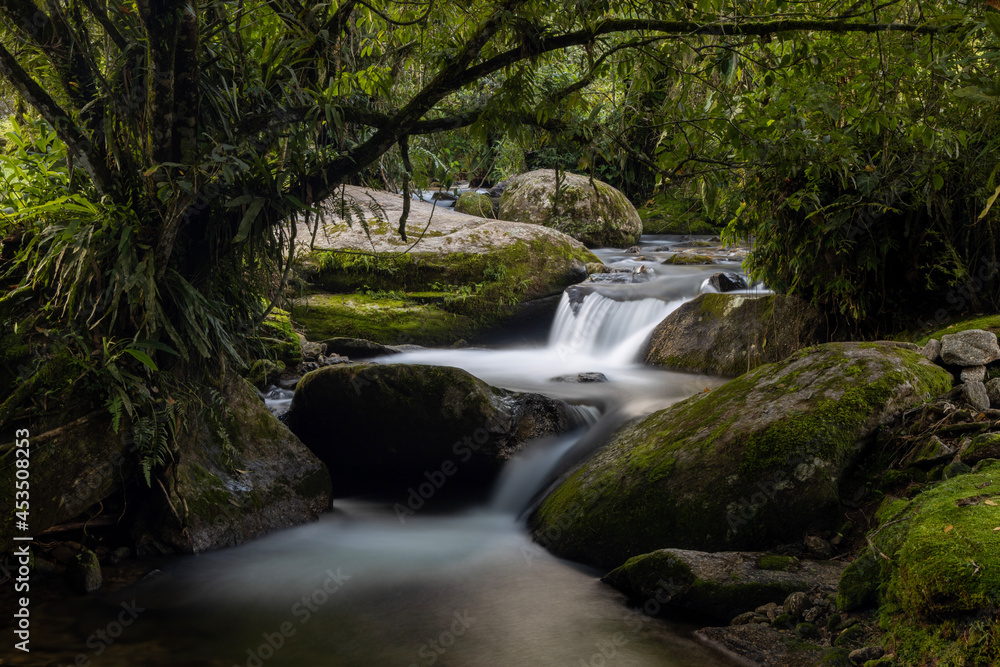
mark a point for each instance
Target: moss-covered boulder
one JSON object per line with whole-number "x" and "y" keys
{"x": 730, "y": 334}
{"x": 475, "y": 203}
{"x": 984, "y": 446}
{"x": 238, "y": 473}
{"x": 723, "y": 584}
{"x": 934, "y": 570}
{"x": 455, "y": 275}
{"x": 72, "y": 468}
{"x": 588, "y": 210}
{"x": 754, "y": 463}
{"x": 385, "y": 427}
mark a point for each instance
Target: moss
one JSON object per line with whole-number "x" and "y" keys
{"x": 264, "y": 372}
{"x": 685, "y": 260}
{"x": 858, "y": 587}
{"x": 837, "y": 657}
{"x": 988, "y": 323}
{"x": 475, "y": 203}
{"x": 204, "y": 494}
{"x": 984, "y": 446}
{"x": 852, "y": 636}
{"x": 782, "y": 621}
{"x": 778, "y": 563}
{"x": 387, "y": 321}
{"x": 706, "y": 474}
{"x": 279, "y": 339}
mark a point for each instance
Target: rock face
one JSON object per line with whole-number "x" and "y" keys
{"x": 749, "y": 465}
{"x": 940, "y": 573}
{"x": 730, "y": 334}
{"x": 475, "y": 203}
{"x": 239, "y": 475}
{"x": 722, "y": 584}
{"x": 73, "y": 467}
{"x": 970, "y": 348}
{"x": 590, "y": 211}
{"x": 386, "y": 427}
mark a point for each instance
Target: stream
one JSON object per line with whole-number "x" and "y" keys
{"x": 465, "y": 588}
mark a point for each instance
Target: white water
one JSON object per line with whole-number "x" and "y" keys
{"x": 405, "y": 575}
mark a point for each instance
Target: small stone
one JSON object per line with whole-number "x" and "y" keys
{"x": 973, "y": 374}
{"x": 42, "y": 566}
{"x": 782, "y": 621}
{"x": 581, "y": 377}
{"x": 932, "y": 350}
{"x": 597, "y": 267}
{"x": 84, "y": 573}
{"x": 796, "y": 604}
{"x": 955, "y": 469}
{"x": 862, "y": 655}
{"x": 818, "y": 547}
{"x": 727, "y": 281}
{"x": 311, "y": 351}
{"x": 812, "y": 614}
{"x": 120, "y": 554}
{"x": 993, "y": 392}
{"x": 62, "y": 554}
{"x": 633, "y": 249}
{"x": 806, "y": 631}
{"x": 833, "y": 622}
{"x": 972, "y": 393}
{"x": 744, "y": 618}
{"x": 769, "y": 610}
{"x": 974, "y": 347}
{"x": 850, "y": 635}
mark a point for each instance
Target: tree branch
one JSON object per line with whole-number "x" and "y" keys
{"x": 81, "y": 148}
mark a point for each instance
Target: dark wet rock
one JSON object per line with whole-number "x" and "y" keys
{"x": 83, "y": 573}
{"x": 796, "y": 603}
{"x": 974, "y": 347}
{"x": 709, "y": 474}
{"x": 238, "y": 473}
{"x": 730, "y": 334}
{"x": 358, "y": 348}
{"x": 722, "y": 584}
{"x": 755, "y": 644}
{"x": 385, "y": 427}
{"x": 928, "y": 453}
{"x": 727, "y": 281}
{"x": 582, "y": 378}
{"x": 818, "y": 547}
{"x": 635, "y": 250}
{"x": 73, "y": 467}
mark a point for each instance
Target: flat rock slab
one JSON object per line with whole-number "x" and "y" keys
{"x": 722, "y": 584}
{"x": 974, "y": 347}
{"x": 760, "y": 645}
{"x": 446, "y": 230}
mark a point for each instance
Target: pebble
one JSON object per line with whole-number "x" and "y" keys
{"x": 862, "y": 655}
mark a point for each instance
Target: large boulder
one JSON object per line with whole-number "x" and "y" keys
{"x": 586, "y": 209}
{"x": 455, "y": 277}
{"x": 239, "y": 473}
{"x": 723, "y": 584}
{"x": 385, "y": 427}
{"x": 730, "y": 334}
{"x": 475, "y": 203}
{"x": 934, "y": 571}
{"x": 752, "y": 464}
{"x": 974, "y": 347}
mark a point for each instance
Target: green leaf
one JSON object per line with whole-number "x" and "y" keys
{"x": 993, "y": 21}
{"x": 142, "y": 357}
{"x": 938, "y": 181}
{"x": 989, "y": 204}
{"x": 252, "y": 211}
{"x": 156, "y": 345}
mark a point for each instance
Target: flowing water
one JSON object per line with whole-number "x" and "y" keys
{"x": 364, "y": 587}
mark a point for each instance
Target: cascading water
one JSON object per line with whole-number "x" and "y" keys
{"x": 367, "y": 585}
{"x": 599, "y": 326}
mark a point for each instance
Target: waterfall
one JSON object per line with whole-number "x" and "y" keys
{"x": 595, "y": 325}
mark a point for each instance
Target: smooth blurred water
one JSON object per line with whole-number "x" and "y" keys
{"x": 390, "y": 583}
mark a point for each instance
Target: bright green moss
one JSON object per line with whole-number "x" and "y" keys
{"x": 778, "y": 563}
{"x": 685, "y": 260}
{"x": 988, "y": 323}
